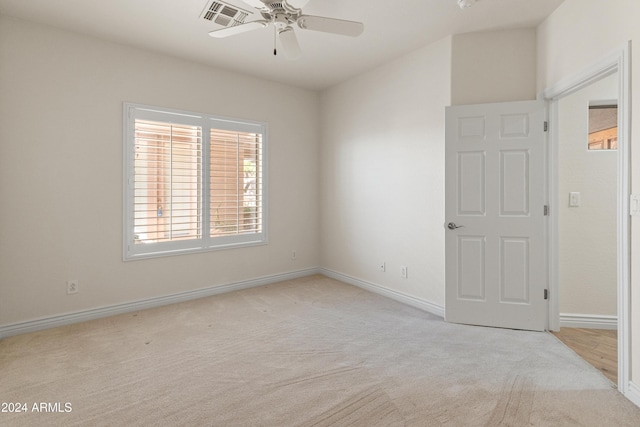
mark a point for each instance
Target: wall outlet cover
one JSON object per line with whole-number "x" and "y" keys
{"x": 72, "y": 287}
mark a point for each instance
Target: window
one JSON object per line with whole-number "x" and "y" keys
{"x": 193, "y": 182}
{"x": 603, "y": 127}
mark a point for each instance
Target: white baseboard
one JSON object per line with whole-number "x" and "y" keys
{"x": 419, "y": 303}
{"x": 82, "y": 316}
{"x": 633, "y": 394}
{"x": 588, "y": 321}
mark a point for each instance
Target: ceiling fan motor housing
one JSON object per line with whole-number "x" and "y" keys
{"x": 281, "y": 14}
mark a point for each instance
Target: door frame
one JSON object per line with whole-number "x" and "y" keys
{"x": 618, "y": 61}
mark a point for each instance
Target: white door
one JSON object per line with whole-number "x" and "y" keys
{"x": 496, "y": 273}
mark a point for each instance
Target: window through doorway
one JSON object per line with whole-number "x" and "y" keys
{"x": 603, "y": 127}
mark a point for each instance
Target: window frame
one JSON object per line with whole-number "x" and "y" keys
{"x": 596, "y": 105}
{"x": 206, "y": 242}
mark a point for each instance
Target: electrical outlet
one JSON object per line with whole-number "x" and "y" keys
{"x": 72, "y": 287}
{"x": 383, "y": 267}
{"x": 404, "y": 272}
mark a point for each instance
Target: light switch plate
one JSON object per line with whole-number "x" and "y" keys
{"x": 574, "y": 199}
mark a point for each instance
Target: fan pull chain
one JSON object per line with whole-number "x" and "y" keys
{"x": 275, "y": 34}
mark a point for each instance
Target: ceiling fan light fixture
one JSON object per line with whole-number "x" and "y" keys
{"x": 464, "y": 4}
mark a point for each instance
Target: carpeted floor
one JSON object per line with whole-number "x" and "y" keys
{"x": 308, "y": 352}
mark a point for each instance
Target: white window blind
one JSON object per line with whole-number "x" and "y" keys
{"x": 188, "y": 173}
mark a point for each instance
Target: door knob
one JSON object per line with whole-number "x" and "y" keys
{"x": 453, "y": 226}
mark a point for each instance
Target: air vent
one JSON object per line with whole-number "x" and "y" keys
{"x": 224, "y": 14}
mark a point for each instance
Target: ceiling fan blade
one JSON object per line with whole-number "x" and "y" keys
{"x": 289, "y": 42}
{"x": 330, "y": 25}
{"x": 238, "y": 29}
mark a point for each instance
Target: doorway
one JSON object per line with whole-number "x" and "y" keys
{"x": 587, "y": 189}
{"x": 615, "y": 67}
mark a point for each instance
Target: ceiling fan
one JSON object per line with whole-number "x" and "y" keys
{"x": 284, "y": 14}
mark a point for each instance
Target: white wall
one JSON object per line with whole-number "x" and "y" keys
{"x": 567, "y": 43}
{"x": 588, "y": 275}
{"x": 383, "y": 154}
{"x": 383, "y": 173}
{"x": 493, "y": 66}
{"x": 61, "y": 98}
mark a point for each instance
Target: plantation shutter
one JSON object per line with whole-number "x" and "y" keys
{"x": 235, "y": 182}
{"x": 167, "y": 182}
{"x": 193, "y": 182}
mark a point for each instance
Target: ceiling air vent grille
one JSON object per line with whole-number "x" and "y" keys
{"x": 224, "y": 14}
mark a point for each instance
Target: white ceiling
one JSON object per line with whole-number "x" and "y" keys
{"x": 174, "y": 27}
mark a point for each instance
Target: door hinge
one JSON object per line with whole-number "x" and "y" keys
{"x": 546, "y": 294}
{"x": 546, "y": 126}
{"x": 546, "y": 210}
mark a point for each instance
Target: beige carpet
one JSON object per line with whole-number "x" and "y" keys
{"x": 309, "y": 352}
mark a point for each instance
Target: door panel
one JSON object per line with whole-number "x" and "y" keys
{"x": 471, "y": 284}
{"x": 495, "y": 240}
{"x": 514, "y": 183}
{"x": 471, "y": 173}
{"x": 514, "y": 272}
